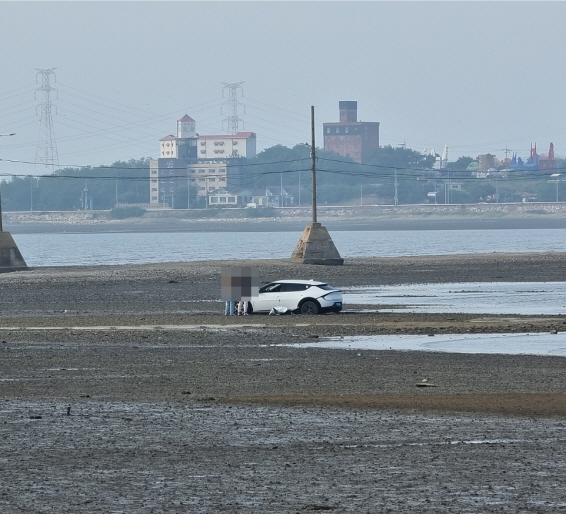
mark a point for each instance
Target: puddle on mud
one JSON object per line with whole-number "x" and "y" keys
{"x": 522, "y": 298}
{"x": 507, "y": 344}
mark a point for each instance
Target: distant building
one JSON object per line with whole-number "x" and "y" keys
{"x": 234, "y": 197}
{"x": 350, "y": 137}
{"x": 486, "y": 162}
{"x": 241, "y": 144}
{"x": 547, "y": 162}
{"x": 440, "y": 161}
{"x": 205, "y": 163}
{"x": 184, "y": 144}
{"x": 535, "y": 162}
{"x": 208, "y": 175}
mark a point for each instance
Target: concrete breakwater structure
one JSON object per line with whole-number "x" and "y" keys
{"x": 10, "y": 257}
{"x": 316, "y": 247}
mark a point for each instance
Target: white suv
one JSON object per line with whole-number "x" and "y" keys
{"x": 303, "y": 296}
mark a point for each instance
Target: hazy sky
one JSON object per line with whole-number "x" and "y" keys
{"x": 476, "y": 76}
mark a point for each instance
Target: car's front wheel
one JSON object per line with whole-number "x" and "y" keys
{"x": 309, "y": 307}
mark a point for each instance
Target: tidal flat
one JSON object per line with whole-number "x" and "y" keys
{"x": 126, "y": 389}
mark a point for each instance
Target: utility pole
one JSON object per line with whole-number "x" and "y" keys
{"x": 233, "y": 119}
{"x": 47, "y": 148}
{"x": 281, "y": 202}
{"x": 313, "y": 166}
{"x": 85, "y": 196}
{"x": 396, "y": 184}
{"x": 315, "y": 245}
{"x": 506, "y": 150}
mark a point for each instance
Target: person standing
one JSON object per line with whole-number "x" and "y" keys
{"x": 243, "y": 308}
{"x": 229, "y": 309}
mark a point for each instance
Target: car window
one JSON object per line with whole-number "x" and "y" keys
{"x": 326, "y": 287}
{"x": 271, "y": 288}
{"x": 289, "y": 288}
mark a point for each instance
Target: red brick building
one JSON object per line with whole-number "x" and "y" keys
{"x": 350, "y": 137}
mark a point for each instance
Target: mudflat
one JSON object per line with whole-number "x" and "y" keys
{"x": 126, "y": 389}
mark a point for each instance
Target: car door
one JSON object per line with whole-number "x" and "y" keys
{"x": 268, "y": 297}
{"x": 291, "y": 295}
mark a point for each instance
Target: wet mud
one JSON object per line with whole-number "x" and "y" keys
{"x": 192, "y": 411}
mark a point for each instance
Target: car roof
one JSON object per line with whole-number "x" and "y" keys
{"x": 310, "y": 282}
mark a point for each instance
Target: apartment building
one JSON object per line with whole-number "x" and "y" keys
{"x": 204, "y": 162}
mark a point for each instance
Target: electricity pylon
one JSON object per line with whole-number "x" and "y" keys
{"x": 233, "y": 120}
{"x": 46, "y": 148}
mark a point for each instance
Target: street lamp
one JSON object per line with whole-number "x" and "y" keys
{"x": 557, "y": 180}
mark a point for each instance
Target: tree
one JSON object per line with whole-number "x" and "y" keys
{"x": 181, "y": 201}
{"x": 480, "y": 190}
{"x": 276, "y": 165}
{"x": 75, "y": 188}
{"x": 462, "y": 163}
{"x": 399, "y": 157}
{"x": 397, "y": 169}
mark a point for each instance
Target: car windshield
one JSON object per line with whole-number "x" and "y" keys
{"x": 326, "y": 287}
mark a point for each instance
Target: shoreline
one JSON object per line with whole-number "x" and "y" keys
{"x": 341, "y": 219}
{"x": 268, "y": 225}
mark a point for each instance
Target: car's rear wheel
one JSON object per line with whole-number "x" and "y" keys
{"x": 309, "y": 307}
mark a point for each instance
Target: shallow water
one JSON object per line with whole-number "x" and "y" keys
{"x": 521, "y": 298}
{"x": 507, "y": 344}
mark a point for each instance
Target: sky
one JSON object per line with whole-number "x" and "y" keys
{"x": 478, "y": 76}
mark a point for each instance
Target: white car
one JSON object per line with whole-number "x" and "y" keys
{"x": 302, "y": 296}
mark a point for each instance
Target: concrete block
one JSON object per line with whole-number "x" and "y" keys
{"x": 316, "y": 247}
{"x": 10, "y": 257}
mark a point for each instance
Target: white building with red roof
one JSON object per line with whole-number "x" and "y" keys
{"x": 194, "y": 162}
{"x": 241, "y": 144}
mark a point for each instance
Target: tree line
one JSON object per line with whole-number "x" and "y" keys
{"x": 85, "y": 188}
{"x": 390, "y": 175}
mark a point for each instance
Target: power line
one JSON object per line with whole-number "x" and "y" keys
{"x": 254, "y": 176}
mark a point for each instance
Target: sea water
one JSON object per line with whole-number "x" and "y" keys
{"x": 77, "y": 249}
